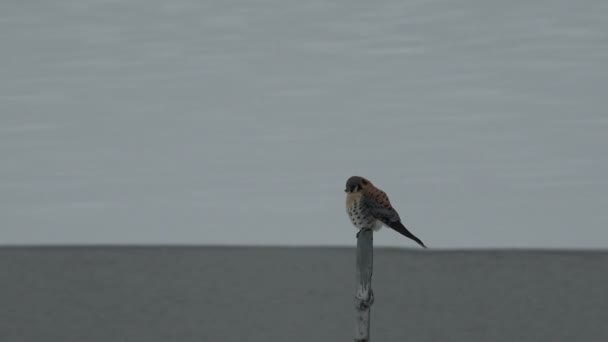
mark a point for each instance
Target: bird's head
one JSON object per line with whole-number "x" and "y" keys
{"x": 356, "y": 184}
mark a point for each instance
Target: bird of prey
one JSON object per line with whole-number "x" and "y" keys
{"x": 369, "y": 208}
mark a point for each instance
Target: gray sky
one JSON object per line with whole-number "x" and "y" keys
{"x": 238, "y": 123}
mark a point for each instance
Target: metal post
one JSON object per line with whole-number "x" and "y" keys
{"x": 364, "y": 296}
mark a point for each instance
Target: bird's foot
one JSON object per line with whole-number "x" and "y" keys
{"x": 360, "y": 230}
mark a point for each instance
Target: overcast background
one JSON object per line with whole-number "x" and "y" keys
{"x": 238, "y": 122}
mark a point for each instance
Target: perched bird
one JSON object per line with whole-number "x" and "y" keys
{"x": 369, "y": 208}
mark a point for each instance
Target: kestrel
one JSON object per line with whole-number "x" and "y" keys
{"x": 369, "y": 208}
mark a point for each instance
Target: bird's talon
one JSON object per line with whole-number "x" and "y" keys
{"x": 361, "y": 230}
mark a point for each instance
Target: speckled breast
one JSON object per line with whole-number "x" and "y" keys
{"x": 359, "y": 215}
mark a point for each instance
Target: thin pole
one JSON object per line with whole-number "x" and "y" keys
{"x": 364, "y": 296}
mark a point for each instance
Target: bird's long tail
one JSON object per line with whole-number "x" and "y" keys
{"x": 400, "y": 228}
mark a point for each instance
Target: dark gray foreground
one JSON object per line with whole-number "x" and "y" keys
{"x": 167, "y": 294}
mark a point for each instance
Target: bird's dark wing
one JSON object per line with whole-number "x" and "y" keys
{"x": 379, "y": 206}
